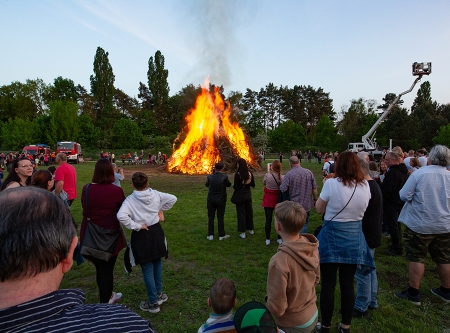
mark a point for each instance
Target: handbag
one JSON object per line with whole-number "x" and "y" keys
{"x": 99, "y": 242}
{"x": 319, "y": 228}
{"x": 238, "y": 196}
{"x": 282, "y": 196}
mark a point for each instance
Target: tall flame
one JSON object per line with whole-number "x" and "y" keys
{"x": 206, "y": 122}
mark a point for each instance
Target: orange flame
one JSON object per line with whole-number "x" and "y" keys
{"x": 206, "y": 122}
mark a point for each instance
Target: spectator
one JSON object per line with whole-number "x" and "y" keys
{"x": 300, "y": 183}
{"x": 426, "y": 216}
{"x": 118, "y": 174}
{"x": 222, "y": 300}
{"x": 327, "y": 165}
{"x": 217, "y": 184}
{"x": 30, "y": 272}
{"x": 20, "y": 174}
{"x": 422, "y": 154}
{"x": 408, "y": 159}
{"x": 65, "y": 178}
{"x": 293, "y": 272}
{"x": 243, "y": 180}
{"x": 414, "y": 165}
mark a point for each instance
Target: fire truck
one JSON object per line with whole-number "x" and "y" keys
{"x": 71, "y": 149}
{"x": 37, "y": 149}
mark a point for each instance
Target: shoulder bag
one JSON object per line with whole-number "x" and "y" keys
{"x": 282, "y": 196}
{"x": 98, "y": 242}
{"x": 319, "y": 228}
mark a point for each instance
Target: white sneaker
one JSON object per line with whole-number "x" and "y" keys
{"x": 242, "y": 235}
{"x": 267, "y": 241}
{"x": 224, "y": 237}
{"x": 210, "y": 237}
{"x": 115, "y": 297}
{"x": 279, "y": 241}
{"x": 251, "y": 232}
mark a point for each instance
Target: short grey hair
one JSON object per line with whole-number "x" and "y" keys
{"x": 439, "y": 155}
{"x": 294, "y": 160}
{"x": 364, "y": 164}
{"x": 363, "y": 155}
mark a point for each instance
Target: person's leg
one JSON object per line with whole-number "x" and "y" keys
{"x": 390, "y": 215}
{"x": 444, "y": 274}
{"x": 373, "y": 287}
{"x": 157, "y": 272}
{"x": 346, "y": 282}
{"x": 305, "y": 227}
{"x": 363, "y": 290}
{"x": 220, "y": 219}
{"x": 211, "y": 212}
{"x": 415, "y": 271}
{"x": 149, "y": 280}
{"x": 328, "y": 282}
{"x": 249, "y": 214}
{"x": 105, "y": 277}
{"x": 268, "y": 227}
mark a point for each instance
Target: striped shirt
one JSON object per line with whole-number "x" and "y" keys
{"x": 300, "y": 182}
{"x": 223, "y": 323}
{"x": 65, "y": 311}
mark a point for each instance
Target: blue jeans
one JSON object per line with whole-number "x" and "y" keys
{"x": 152, "y": 273}
{"x": 366, "y": 289}
{"x": 305, "y": 227}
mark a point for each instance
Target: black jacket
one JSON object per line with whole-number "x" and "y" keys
{"x": 393, "y": 182}
{"x": 373, "y": 216}
{"x": 217, "y": 183}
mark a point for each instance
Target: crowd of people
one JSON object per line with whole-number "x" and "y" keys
{"x": 357, "y": 198}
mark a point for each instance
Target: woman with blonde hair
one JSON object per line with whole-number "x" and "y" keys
{"x": 272, "y": 182}
{"x": 415, "y": 164}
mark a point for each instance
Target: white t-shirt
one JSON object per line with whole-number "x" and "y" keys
{"x": 337, "y": 195}
{"x": 326, "y": 166}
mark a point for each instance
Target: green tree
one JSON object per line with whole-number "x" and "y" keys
{"x": 287, "y": 136}
{"x": 88, "y": 134}
{"x": 325, "y": 133}
{"x": 442, "y": 136}
{"x": 253, "y": 120}
{"x": 63, "y": 90}
{"x": 17, "y": 133}
{"x": 159, "y": 87}
{"x": 16, "y": 101}
{"x": 102, "y": 88}
{"x": 126, "y": 134}
{"x": 269, "y": 101}
{"x": 63, "y": 124}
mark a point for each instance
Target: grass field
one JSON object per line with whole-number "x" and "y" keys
{"x": 194, "y": 263}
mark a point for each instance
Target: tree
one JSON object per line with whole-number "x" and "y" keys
{"x": 159, "y": 87}
{"x": 269, "y": 101}
{"x": 286, "y": 137}
{"x": 62, "y": 90}
{"x": 102, "y": 88}
{"x": 17, "y": 133}
{"x": 126, "y": 105}
{"x": 442, "y": 136}
{"x": 63, "y": 122}
{"x": 126, "y": 134}
{"x": 15, "y": 101}
{"x": 325, "y": 133}
{"x": 88, "y": 134}
{"x": 253, "y": 121}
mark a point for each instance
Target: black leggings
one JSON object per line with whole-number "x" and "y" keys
{"x": 328, "y": 272}
{"x": 268, "y": 226}
{"x": 105, "y": 277}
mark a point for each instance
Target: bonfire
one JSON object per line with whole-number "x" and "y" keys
{"x": 209, "y": 137}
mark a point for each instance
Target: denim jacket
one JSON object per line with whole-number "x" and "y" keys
{"x": 344, "y": 242}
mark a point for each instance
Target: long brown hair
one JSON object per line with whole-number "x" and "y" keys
{"x": 41, "y": 178}
{"x": 103, "y": 172}
{"x": 276, "y": 167}
{"x": 348, "y": 169}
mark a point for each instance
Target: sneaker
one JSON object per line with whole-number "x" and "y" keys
{"x": 439, "y": 293}
{"x": 267, "y": 241}
{"x": 146, "y": 306}
{"x": 115, "y": 297}
{"x": 242, "y": 235}
{"x": 343, "y": 330}
{"x": 162, "y": 298}
{"x": 360, "y": 314}
{"x": 251, "y": 232}
{"x": 405, "y": 295}
{"x": 224, "y": 237}
{"x": 280, "y": 241}
{"x": 210, "y": 237}
{"x": 321, "y": 329}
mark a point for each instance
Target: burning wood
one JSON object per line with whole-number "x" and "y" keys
{"x": 211, "y": 137}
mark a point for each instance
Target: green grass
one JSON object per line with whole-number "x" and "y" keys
{"x": 194, "y": 263}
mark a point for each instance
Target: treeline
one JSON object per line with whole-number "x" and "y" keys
{"x": 276, "y": 118}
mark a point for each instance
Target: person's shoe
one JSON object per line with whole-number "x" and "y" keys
{"x": 405, "y": 295}
{"x": 210, "y": 237}
{"x": 267, "y": 241}
{"x": 115, "y": 297}
{"x": 242, "y": 235}
{"x": 280, "y": 241}
{"x": 439, "y": 293}
{"x": 224, "y": 237}
{"x": 393, "y": 252}
{"x": 321, "y": 329}
{"x": 360, "y": 314}
{"x": 251, "y": 232}
{"x": 146, "y": 306}
{"x": 162, "y": 298}
{"x": 343, "y": 330}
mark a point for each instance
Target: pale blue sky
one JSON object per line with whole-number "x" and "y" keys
{"x": 351, "y": 49}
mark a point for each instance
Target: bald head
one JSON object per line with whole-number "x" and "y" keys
{"x": 61, "y": 157}
{"x": 293, "y": 160}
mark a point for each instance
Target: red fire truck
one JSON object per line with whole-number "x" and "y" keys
{"x": 72, "y": 150}
{"x": 37, "y": 149}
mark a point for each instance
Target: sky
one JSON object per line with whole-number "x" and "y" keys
{"x": 350, "y": 49}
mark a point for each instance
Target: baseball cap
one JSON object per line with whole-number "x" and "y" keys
{"x": 254, "y": 317}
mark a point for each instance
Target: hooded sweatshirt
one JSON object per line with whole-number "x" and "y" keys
{"x": 293, "y": 274}
{"x": 142, "y": 207}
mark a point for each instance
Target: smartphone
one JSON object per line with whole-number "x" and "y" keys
{"x": 269, "y": 165}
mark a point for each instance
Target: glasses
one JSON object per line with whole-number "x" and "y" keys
{"x": 26, "y": 166}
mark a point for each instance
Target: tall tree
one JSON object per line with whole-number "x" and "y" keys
{"x": 159, "y": 87}
{"x": 62, "y": 90}
{"x": 253, "y": 120}
{"x": 102, "y": 88}
{"x": 15, "y": 101}
{"x": 63, "y": 122}
{"x": 269, "y": 100}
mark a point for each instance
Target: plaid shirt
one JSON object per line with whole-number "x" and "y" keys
{"x": 300, "y": 182}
